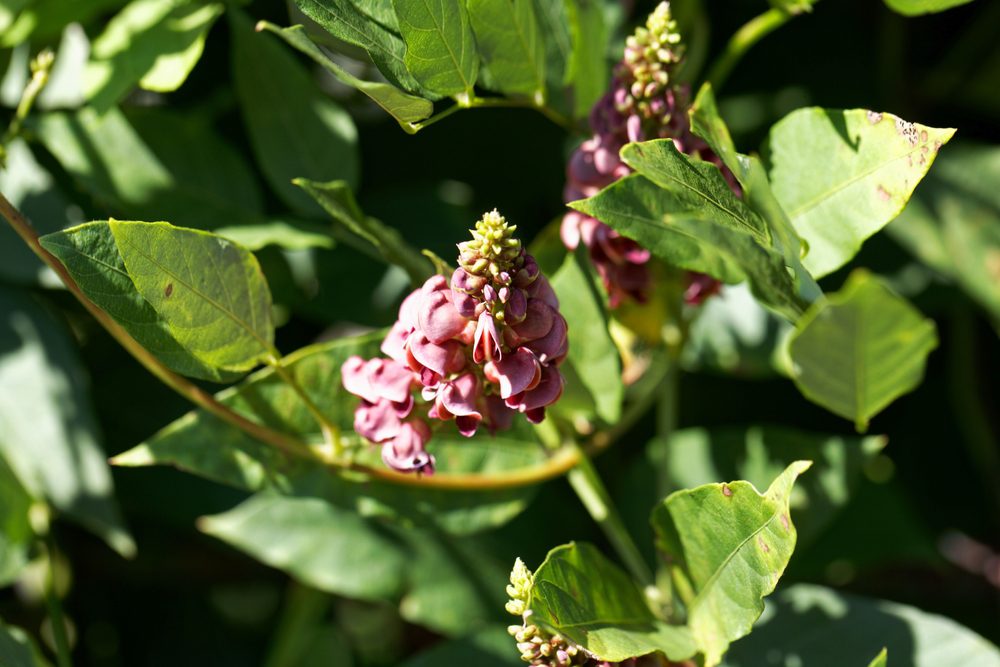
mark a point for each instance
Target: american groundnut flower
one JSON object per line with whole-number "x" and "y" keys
{"x": 644, "y": 102}
{"x": 476, "y": 350}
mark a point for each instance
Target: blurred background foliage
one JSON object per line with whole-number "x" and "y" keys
{"x": 921, "y": 517}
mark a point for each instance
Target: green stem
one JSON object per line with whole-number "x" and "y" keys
{"x": 594, "y": 496}
{"x": 331, "y": 432}
{"x": 743, "y": 40}
{"x": 54, "y": 606}
{"x": 666, "y": 424}
{"x": 303, "y": 611}
{"x": 40, "y": 68}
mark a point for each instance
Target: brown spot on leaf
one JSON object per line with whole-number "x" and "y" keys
{"x": 784, "y": 521}
{"x": 763, "y": 544}
{"x": 924, "y": 149}
{"x": 882, "y": 193}
{"x": 923, "y": 135}
{"x": 908, "y": 131}
{"x": 726, "y": 491}
{"x": 874, "y": 117}
{"x": 168, "y": 290}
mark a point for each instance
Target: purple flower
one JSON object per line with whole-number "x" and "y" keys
{"x": 481, "y": 347}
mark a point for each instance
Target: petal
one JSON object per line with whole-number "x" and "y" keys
{"x": 390, "y": 379}
{"x": 354, "y": 377}
{"x": 537, "y": 321}
{"x": 408, "y": 309}
{"x": 547, "y": 392}
{"x": 376, "y": 421}
{"x": 553, "y": 345}
{"x": 460, "y": 395}
{"x": 438, "y": 317}
{"x": 394, "y": 345}
{"x": 517, "y": 372}
{"x": 486, "y": 344}
{"x": 499, "y": 416}
{"x": 443, "y": 359}
{"x": 406, "y": 451}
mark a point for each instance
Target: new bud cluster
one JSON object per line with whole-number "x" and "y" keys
{"x": 476, "y": 349}
{"x": 644, "y": 102}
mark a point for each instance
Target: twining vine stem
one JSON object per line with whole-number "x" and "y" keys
{"x": 487, "y": 102}
{"x": 556, "y": 465}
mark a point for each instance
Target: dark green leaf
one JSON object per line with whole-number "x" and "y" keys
{"x": 552, "y": 19}
{"x": 511, "y": 44}
{"x": 320, "y": 544}
{"x": 819, "y": 627}
{"x": 685, "y": 213}
{"x": 151, "y": 43}
{"x": 440, "y": 47}
{"x": 953, "y": 222}
{"x": 48, "y": 435}
{"x": 17, "y": 649}
{"x": 295, "y": 130}
{"x": 402, "y": 106}
{"x": 917, "y": 7}
{"x": 843, "y": 175}
{"x": 860, "y": 349}
{"x": 731, "y": 544}
{"x": 588, "y": 599}
{"x": 45, "y": 19}
{"x": 178, "y": 169}
{"x": 592, "y": 352}
{"x": 338, "y": 200}
{"x": 369, "y": 24}
{"x": 587, "y": 69}
{"x": 15, "y": 529}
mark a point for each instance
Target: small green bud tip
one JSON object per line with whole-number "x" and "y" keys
{"x": 492, "y": 236}
{"x": 519, "y": 589}
{"x": 662, "y": 24}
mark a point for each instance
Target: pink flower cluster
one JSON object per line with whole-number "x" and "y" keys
{"x": 478, "y": 349}
{"x": 643, "y": 103}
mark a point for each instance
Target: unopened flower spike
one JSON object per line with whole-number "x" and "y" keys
{"x": 644, "y": 102}
{"x": 475, "y": 350}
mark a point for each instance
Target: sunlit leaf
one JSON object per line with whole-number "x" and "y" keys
{"x": 730, "y": 544}
{"x": 440, "y": 47}
{"x": 587, "y": 69}
{"x": 854, "y": 629}
{"x": 843, "y": 175}
{"x": 917, "y": 7}
{"x": 511, "y": 44}
{"x": 589, "y": 600}
{"x": 860, "y": 349}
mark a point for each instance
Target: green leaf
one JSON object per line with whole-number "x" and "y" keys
{"x": 918, "y": 7}
{"x": 733, "y": 334}
{"x": 48, "y": 435}
{"x": 592, "y": 352}
{"x": 731, "y": 544}
{"x": 759, "y": 454}
{"x": 295, "y": 235}
{"x": 322, "y": 545}
{"x": 45, "y": 19}
{"x": 819, "y": 627}
{"x": 402, "y": 106}
{"x": 333, "y": 549}
{"x": 440, "y": 47}
{"x": 492, "y": 647}
{"x": 583, "y": 596}
{"x": 18, "y": 650}
{"x": 370, "y": 25}
{"x": 587, "y": 70}
{"x": 338, "y": 200}
{"x": 554, "y": 24}
{"x": 152, "y": 43}
{"x": 685, "y": 213}
{"x": 295, "y": 130}
{"x": 843, "y": 175}
{"x": 511, "y": 44}
{"x": 204, "y": 445}
{"x": 210, "y": 292}
{"x": 166, "y": 165}
{"x": 15, "y": 528}
{"x": 953, "y": 222}
{"x": 881, "y": 660}
{"x": 860, "y": 349}
{"x": 91, "y": 256}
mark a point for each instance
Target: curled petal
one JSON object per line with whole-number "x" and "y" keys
{"x": 498, "y": 416}
{"x": 444, "y": 359}
{"x": 537, "y": 321}
{"x": 394, "y": 345}
{"x": 355, "y": 380}
{"x": 408, "y": 310}
{"x": 376, "y": 379}
{"x": 465, "y": 304}
{"x": 518, "y": 372}
{"x": 542, "y": 290}
{"x": 459, "y": 396}
{"x": 486, "y": 344}
{"x": 546, "y": 393}
{"x": 376, "y": 421}
{"x": 466, "y": 283}
{"x": 552, "y": 347}
{"x": 438, "y": 317}
{"x": 517, "y": 307}
{"x": 406, "y": 451}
